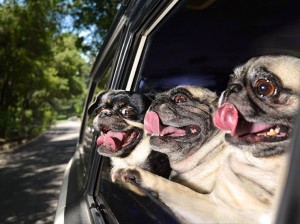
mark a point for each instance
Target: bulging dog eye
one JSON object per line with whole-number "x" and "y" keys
{"x": 128, "y": 112}
{"x": 180, "y": 99}
{"x": 265, "y": 87}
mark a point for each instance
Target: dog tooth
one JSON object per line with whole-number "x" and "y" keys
{"x": 272, "y": 132}
{"x": 193, "y": 130}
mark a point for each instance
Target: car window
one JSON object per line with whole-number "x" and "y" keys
{"x": 200, "y": 43}
{"x": 101, "y": 78}
{"x": 90, "y": 135}
{"x": 110, "y": 195}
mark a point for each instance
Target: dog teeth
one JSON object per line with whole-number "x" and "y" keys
{"x": 193, "y": 130}
{"x": 273, "y": 132}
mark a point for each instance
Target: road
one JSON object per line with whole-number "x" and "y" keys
{"x": 31, "y": 175}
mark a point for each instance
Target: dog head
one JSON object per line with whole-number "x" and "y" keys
{"x": 119, "y": 121}
{"x": 180, "y": 120}
{"x": 259, "y": 105}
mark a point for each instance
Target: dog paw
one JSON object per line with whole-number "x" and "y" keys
{"x": 127, "y": 175}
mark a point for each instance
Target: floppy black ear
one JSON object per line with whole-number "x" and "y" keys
{"x": 95, "y": 104}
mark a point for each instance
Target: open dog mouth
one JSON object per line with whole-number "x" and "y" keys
{"x": 154, "y": 127}
{"x": 227, "y": 117}
{"x": 114, "y": 141}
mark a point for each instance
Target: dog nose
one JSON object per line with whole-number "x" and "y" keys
{"x": 235, "y": 87}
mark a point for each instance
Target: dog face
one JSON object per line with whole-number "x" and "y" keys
{"x": 119, "y": 121}
{"x": 180, "y": 120}
{"x": 260, "y": 103}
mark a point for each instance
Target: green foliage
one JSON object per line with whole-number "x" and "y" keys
{"x": 94, "y": 17}
{"x": 41, "y": 69}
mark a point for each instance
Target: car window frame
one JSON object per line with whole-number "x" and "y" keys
{"x": 121, "y": 61}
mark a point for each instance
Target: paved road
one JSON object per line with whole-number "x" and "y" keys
{"x": 31, "y": 176}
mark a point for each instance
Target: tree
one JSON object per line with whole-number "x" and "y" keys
{"x": 94, "y": 18}
{"x": 42, "y": 70}
{"x": 39, "y": 66}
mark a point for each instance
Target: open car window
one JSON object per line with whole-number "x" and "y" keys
{"x": 189, "y": 43}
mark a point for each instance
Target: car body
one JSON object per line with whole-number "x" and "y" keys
{"x": 159, "y": 44}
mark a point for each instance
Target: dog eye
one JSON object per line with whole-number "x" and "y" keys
{"x": 265, "y": 87}
{"x": 128, "y": 112}
{"x": 180, "y": 99}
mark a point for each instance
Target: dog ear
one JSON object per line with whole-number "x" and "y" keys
{"x": 95, "y": 104}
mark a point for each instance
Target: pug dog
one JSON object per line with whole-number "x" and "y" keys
{"x": 257, "y": 111}
{"x": 180, "y": 124}
{"x": 119, "y": 121}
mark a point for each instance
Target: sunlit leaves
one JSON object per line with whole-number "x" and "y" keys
{"x": 41, "y": 68}
{"x": 93, "y": 18}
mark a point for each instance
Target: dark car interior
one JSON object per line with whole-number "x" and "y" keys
{"x": 201, "y": 45}
{"x": 200, "y": 42}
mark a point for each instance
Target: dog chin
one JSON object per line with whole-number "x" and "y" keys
{"x": 267, "y": 148}
{"x": 166, "y": 144}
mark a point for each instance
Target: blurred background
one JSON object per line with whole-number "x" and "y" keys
{"x": 47, "y": 49}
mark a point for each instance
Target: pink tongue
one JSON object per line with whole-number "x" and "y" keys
{"x": 151, "y": 123}
{"x": 112, "y": 139}
{"x": 226, "y": 117}
{"x": 152, "y": 126}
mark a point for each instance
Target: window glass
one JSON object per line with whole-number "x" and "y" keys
{"x": 101, "y": 81}
{"x": 90, "y": 134}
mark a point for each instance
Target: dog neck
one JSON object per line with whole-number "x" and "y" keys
{"x": 199, "y": 171}
{"x": 250, "y": 183}
{"x": 265, "y": 172}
